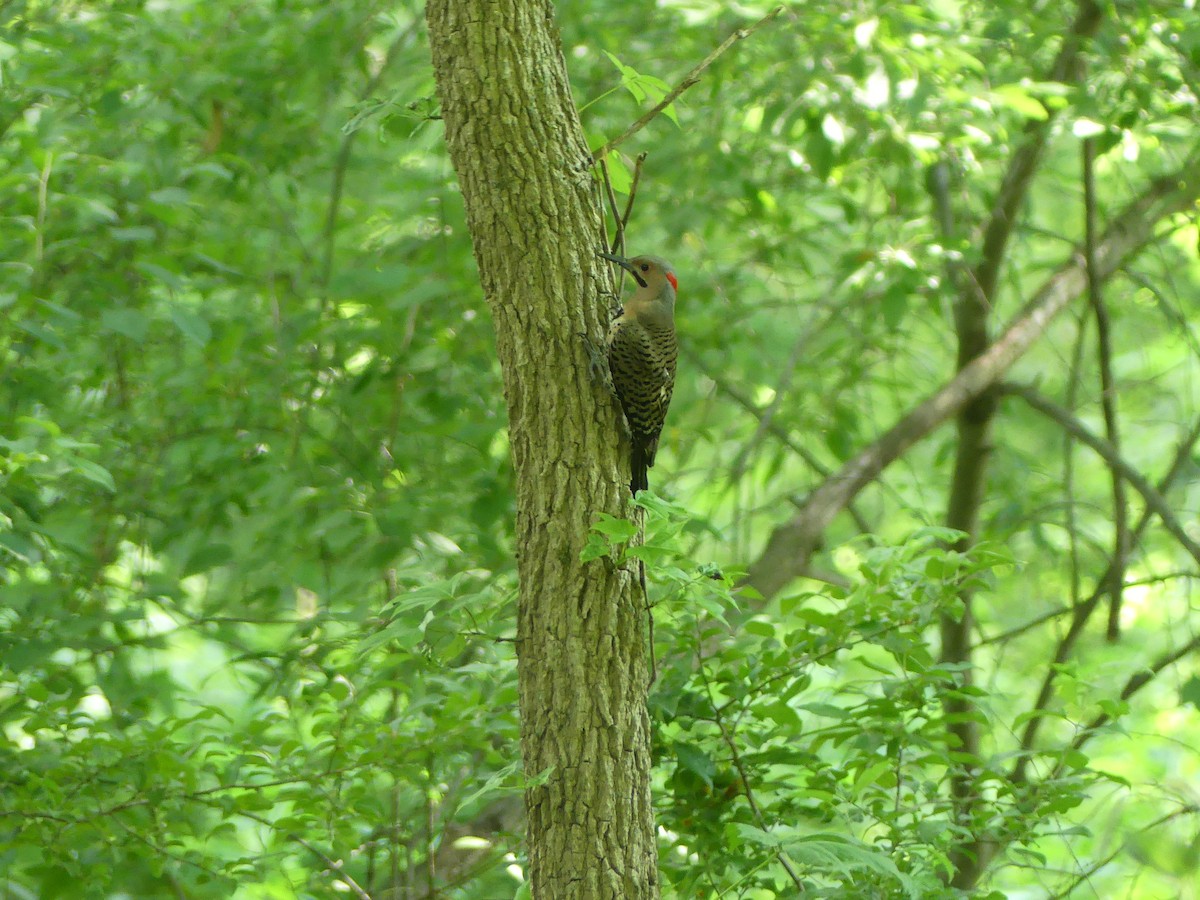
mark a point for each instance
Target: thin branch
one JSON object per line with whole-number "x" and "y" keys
{"x": 621, "y": 219}
{"x": 1154, "y": 500}
{"x": 742, "y": 399}
{"x": 619, "y": 238}
{"x": 791, "y": 545}
{"x": 1135, "y": 683}
{"x": 633, "y": 186}
{"x": 333, "y": 864}
{"x": 1073, "y": 382}
{"x": 1108, "y": 389}
{"x": 739, "y": 766}
{"x": 691, "y": 79}
{"x": 1189, "y": 810}
{"x": 1018, "y": 630}
{"x": 611, "y": 196}
{"x": 342, "y": 161}
{"x": 1084, "y": 610}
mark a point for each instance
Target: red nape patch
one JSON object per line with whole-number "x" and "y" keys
{"x": 671, "y": 278}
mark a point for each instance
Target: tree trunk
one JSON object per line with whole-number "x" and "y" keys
{"x": 524, "y": 169}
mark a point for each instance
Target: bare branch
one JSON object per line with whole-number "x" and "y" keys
{"x": 1154, "y": 500}
{"x": 1084, "y": 610}
{"x": 618, "y": 241}
{"x": 791, "y": 544}
{"x": 633, "y": 186}
{"x": 1108, "y": 388}
{"x": 336, "y": 867}
{"x": 1123, "y": 847}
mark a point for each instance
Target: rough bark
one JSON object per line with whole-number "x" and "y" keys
{"x": 523, "y": 166}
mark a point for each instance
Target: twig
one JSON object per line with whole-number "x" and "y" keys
{"x": 1108, "y": 389}
{"x": 620, "y": 236}
{"x": 1083, "y": 611}
{"x": 1154, "y": 500}
{"x": 742, "y": 399}
{"x": 1135, "y": 683}
{"x": 1189, "y": 810}
{"x": 633, "y": 186}
{"x": 622, "y": 221}
{"x": 1018, "y": 630}
{"x": 747, "y": 790}
{"x": 333, "y": 864}
{"x": 792, "y": 544}
{"x": 646, "y": 602}
{"x": 691, "y": 78}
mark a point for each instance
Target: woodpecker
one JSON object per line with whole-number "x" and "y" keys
{"x": 641, "y": 357}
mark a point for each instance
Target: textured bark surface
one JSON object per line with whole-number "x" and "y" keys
{"x": 523, "y": 166}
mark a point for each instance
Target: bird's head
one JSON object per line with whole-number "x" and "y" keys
{"x": 655, "y": 277}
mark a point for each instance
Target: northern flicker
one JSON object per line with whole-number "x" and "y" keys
{"x": 641, "y": 357}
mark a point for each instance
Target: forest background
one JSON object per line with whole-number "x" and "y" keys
{"x": 915, "y": 633}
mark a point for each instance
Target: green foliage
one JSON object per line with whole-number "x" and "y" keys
{"x": 826, "y": 713}
{"x": 257, "y": 625}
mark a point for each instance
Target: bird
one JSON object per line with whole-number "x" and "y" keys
{"x": 642, "y": 352}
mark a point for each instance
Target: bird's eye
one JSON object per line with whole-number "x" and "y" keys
{"x": 645, "y": 267}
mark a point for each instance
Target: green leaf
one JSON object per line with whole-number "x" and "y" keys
{"x": 595, "y": 548}
{"x": 618, "y": 530}
{"x": 207, "y": 557}
{"x": 191, "y": 325}
{"x": 1190, "y": 692}
{"x": 94, "y": 473}
{"x": 1019, "y": 100}
{"x": 129, "y": 323}
{"x": 695, "y": 760}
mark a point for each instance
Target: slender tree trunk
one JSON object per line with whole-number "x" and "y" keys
{"x": 524, "y": 168}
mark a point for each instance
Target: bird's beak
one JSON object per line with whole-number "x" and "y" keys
{"x": 626, "y": 265}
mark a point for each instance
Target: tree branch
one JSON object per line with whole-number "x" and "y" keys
{"x": 740, "y": 767}
{"x": 1136, "y": 682}
{"x": 1024, "y": 163}
{"x": 1154, "y": 500}
{"x": 333, "y": 865}
{"x": 791, "y": 544}
{"x": 1084, "y": 610}
{"x": 1108, "y": 389}
{"x": 1086, "y": 874}
{"x": 690, "y": 79}
{"x": 623, "y": 222}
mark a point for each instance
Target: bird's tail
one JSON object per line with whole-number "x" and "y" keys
{"x": 638, "y": 465}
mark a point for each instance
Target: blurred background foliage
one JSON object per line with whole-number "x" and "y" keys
{"x": 256, "y": 545}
